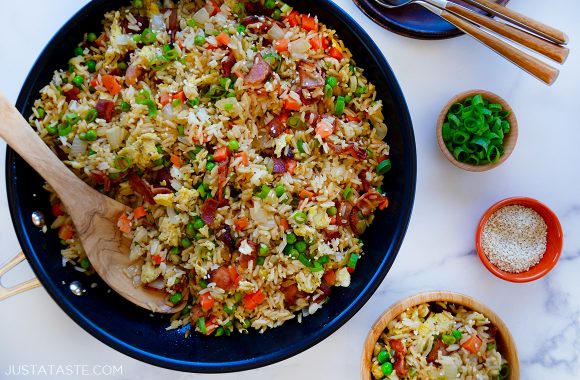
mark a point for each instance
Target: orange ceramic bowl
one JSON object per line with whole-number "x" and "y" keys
{"x": 553, "y": 244}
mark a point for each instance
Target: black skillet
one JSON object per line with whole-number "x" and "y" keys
{"x": 137, "y": 333}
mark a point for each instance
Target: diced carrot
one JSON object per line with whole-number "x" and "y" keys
{"x": 220, "y": 154}
{"x": 66, "y": 232}
{"x": 325, "y": 42}
{"x": 223, "y": 38}
{"x": 284, "y": 224}
{"x": 57, "y": 209}
{"x": 281, "y": 45}
{"x": 324, "y": 129}
{"x": 165, "y": 98}
{"x": 245, "y": 158}
{"x": 124, "y": 223}
{"x": 333, "y": 220}
{"x": 210, "y": 325}
{"x": 384, "y": 204}
{"x": 175, "y": 160}
{"x": 241, "y": 223}
{"x": 352, "y": 118}
{"x": 139, "y": 212}
{"x": 111, "y": 84}
{"x": 472, "y": 344}
{"x": 305, "y": 194}
{"x": 157, "y": 259}
{"x": 251, "y": 300}
{"x": 293, "y": 18}
{"x": 335, "y": 53}
{"x": 330, "y": 277}
{"x": 292, "y": 104}
{"x": 315, "y": 42}
{"x": 212, "y": 7}
{"x": 291, "y": 166}
{"x": 206, "y": 301}
{"x": 94, "y": 82}
{"x": 101, "y": 41}
{"x": 308, "y": 23}
{"x": 179, "y": 96}
{"x": 234, "y": 275}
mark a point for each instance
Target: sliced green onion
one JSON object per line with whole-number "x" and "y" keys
{"x": 41, "y": 112}
{"x": 52, "y": 129}
{"x": 263, "y": 250}
{"x": 448, "y": 339}
{"x": 304, "y": 260}
{"x": 331, "y": 211}
{"x": 148, "y": 36}
{"x": 175, "y": 298}
{"x": 233, "y": 145}
{"x": 199, "y": 40}
{"x": 64, "y": 129}
{"x": 72, "y": 118}
{"x": 264, "y": 191}
{"x": 294, "y": 121}
{"x": 347, "y": 193}
{"x": 122, "y": 163}
{"x": 201, "y": 325}
{"x": 384, "y": 167}
{"x": 331, "y": 81}
{"x": 352, "y": 260}
{"x": 340, "y": 104}
{"x": 301, "y": 146}
{"x": 125, "y": 107}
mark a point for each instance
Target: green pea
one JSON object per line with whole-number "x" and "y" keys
{"x": 291, "y": 238}
{"x": 277, "y": 14}
{"x": 190, "y": 230}
{"x": 260, "y": 260}
{"x": 387, "y": 368}
{"x": 241, "y": 29}
{"x": 125, "y": 107}
{"x": 41, "y": 112}
{"x": 174, "y": 251}
{"x": 122, "y": 65}
{"x": 198, "y": 223}
{"x": 78, "y": 80}
{"x": 269, "y": 4}
{"x": 92, "y": 66}
{"x": 199, "y": 40}
{"x": 191, "y": 23}
{"x": 180, "y": 130}
{"x": 203, "y": 283}
{"x": 230, "y": 309}
{"x": 331, "y": 211}
{"x": 85, "y": 263}
{"x": 78, "y": 51}
{"x": 137, "y": 3}
{"x": 456, "y": 334}
{"x": 383, "y": 356}
{"x": 263, "y": 249}
{"x": 300, "y": 246}
{"x": 294, "y": 253}
{"x": 233, "y": 145}
{"x": 210, "y": 165}
{"x": 52, "y": 129}
{"x": 185, "y": 243}
{"x": 91, "y": 37}
{"x": 300, "y": 217}
{"x": 331, "y": 81}
{"x": 247, "y": 323}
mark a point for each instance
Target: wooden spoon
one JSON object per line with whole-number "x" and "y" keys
{"x": 94, "y": 215}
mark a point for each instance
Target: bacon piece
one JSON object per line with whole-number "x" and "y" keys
{"x": 257, "y": 23}
{"x": 101, "y": 178}
{"x": 400, "y": 352}
{"x": 72, "y": 94}
{"x": 196, "y": 313}
{"x": 311, "y": 118}
{"x": 279, "y": 165}
{"x": 433, "y": 355}
{"x": 357, "y": 152}
{"x": 226, "y": 237}
{"x": 223, "y": 279}
{"x": 290, "y": 294}
{"x": 259, "y": 73}
{"x": 163, "y": 175}
{"x": 369, "y": 201}
{"x": 172, "y": 23}
{"x": 355, "y": 222}
{"x": 105, "y": 109}
{"x": 141, "y": 187}
{"x": 223, "y": 167}
{"x": 227, "y": 63}
{"x": 310, "y": 79}
{"x": 246, "y": 259}
{"x": 212, "y": 7}
{"x": 208, "y": 210}
{"x": 275, "y": 127}
{"x": 160, "y": 190}
{"x": 142, "y": 24}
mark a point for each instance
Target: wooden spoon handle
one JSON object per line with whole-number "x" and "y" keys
{"x": 526, "y": 62}
{"x": 20, "y": 136}
{"x": 555, "y": 52}
{"x": 516, "y": 18}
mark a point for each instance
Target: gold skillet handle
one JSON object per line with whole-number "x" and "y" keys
{"x": 23, "y": 287}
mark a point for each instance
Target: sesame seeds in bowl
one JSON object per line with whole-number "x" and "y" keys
{"x": 519, "y": 239}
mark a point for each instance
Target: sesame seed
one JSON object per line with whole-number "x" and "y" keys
{"x": 514, "y": 238}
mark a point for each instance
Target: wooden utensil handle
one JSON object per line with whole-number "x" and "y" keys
{"x": 522, "y": 21}
{"x": 20, "y": 136}
{"x": 555, "y": 52}
{"x": 532, "y": 65}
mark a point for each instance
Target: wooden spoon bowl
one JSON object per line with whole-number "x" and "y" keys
{"x": 94, "y": 215}
{"x": 509, "y": 142}
{"x": 505, "y": 342}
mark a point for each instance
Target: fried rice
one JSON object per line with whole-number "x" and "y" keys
{"x": 247, "y": 143}
{"x": 439, "y": 340}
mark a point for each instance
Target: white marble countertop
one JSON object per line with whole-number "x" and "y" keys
{"x": 544, "y": 316}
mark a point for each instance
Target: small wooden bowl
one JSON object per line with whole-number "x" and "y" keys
{"x": 554, "y": 241}
{"x": 509, "y": 141}
{"x": 505, "y": 341}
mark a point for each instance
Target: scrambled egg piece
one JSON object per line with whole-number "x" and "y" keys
{"x": 342, "y": 277}
{"x": 185, "y": 199}
{"x": 164, "y": 199}
{"x": 318, "y": 218}
{"x": 307, "y": 281}
{"x": 169, "y": 232}
{"x": 143, "y": 150}
{"x": 149, "y": 272}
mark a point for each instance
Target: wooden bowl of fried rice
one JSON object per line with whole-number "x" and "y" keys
{"x": 391, "y": 347}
